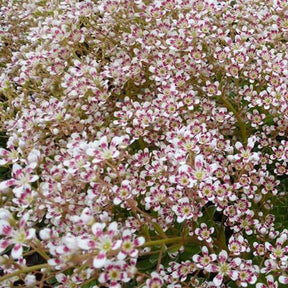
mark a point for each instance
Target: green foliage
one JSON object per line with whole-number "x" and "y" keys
{"x": 90, "y": 284}
{"x": 280, "y": 205}
{"x": 144, "y": 264}
{"x": 4, "y": 170}
{"x": 189, "y": 250}
{"x": 208, "y": 215}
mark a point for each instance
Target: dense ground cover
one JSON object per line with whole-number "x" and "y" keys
{"x": 144, "y": 143}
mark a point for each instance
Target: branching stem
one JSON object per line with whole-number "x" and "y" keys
{"x": 24, "y": 271}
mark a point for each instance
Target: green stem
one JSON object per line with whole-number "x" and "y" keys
{"x": 160, "y": 258}
{"x": 241, "y": 124}
{"x": 41, "y": 252}
{"x": 163, "y": 241}
{"x": 24, "y": 270}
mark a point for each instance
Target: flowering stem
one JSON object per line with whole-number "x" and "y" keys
{"x": 24, "y": 270}
{"x": 241, "y": 124}
{"x": 160, "y": 258}
{"x": 162, "y": 241}
{"x": 40, "y": 251}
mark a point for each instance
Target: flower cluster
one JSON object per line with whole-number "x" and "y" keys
{"x": 143, "y": 143}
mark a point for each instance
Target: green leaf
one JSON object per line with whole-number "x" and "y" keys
{"x": 90, "y": 284}
{"x": 144, "y": 265}
{"x": 189, "y": 251}
{"x": 130, "y": 284}
{"x": 69, "y": 271}
{"x": 282, "y": 285}
{"x": 137, "y": 145}
{"x": 174, "y": 248}
{"x": 145, "y": 230}
{"x": 232, "y": 284}
{"x": 159, "y": 230}
{"x": 257, "y": 260}
{"x": 52, "y": 281}
{"x": 4, "y": 173}
{"x": 268, "y": 120}
{"x": 166, "y": 260}
{"x": 221, "y": 237}
{"x": 3, "y": 139}
{"x": 154, "y": 258}
{"x": 208, "y": 215}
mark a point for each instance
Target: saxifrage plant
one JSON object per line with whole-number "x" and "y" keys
{"x": 144, "y": 143}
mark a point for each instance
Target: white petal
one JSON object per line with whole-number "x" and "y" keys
{"x": 140, "y": 241}
{"x": 99, "y": 261}
{"x": 86, "y": 244}
{"x": 6, "y": 184}
{"x": 196, "y": 258}
{"x": 269, "y": 246}
{"x": 101, "y": 278}
{"x": 45, "y": 234}
{"x": 90, "y": 152}
{"x": 121, "y": 256}
{"x": 17, "y": 251}
{"x": 86, "y": 216}
{"x": 33, "y": 158}
{"x": 213, "y": 167}
{"x": 236, "y": 261}
{"x": 239, "y": 146}
{"x": 19, "y": 190}
{"x": 250, "y": 142}
{"x": 30, "y": 281}
{"x": 5, "y": 214}
{"x": 223, "y": 256}
{"x": 117, "y": 201}
{"x": 53, "y": 262}
{"x": 3, "y": 162}
{"x": 103, "y": 141}
{"x": 117, "y": 244}
{"x": 98, "y": 227}
{"x": 212, "y": 268}
{"x": 61, "y": 277}
{"x": 113, "y": 226}
{"x": 126, "y": 233}
{"x": 199, "y": 162}
{"x": 31, "y": 234}
{"x": 117, "y": 140}
{"x": 180, "y": 219}
{"x": 233, "y": 275}
{"x": 4, "y": 244}
{"x": 218, "y": 279}
{"x": 33, "y": 178}
{"x": 3, "y": 152}
{"x": 283, "y": 279}
{"x": 205, "y": 250}
{"x": 125, "y": 183}
{"x": 5, "y": 228}
{"x": 17, "y": 169}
